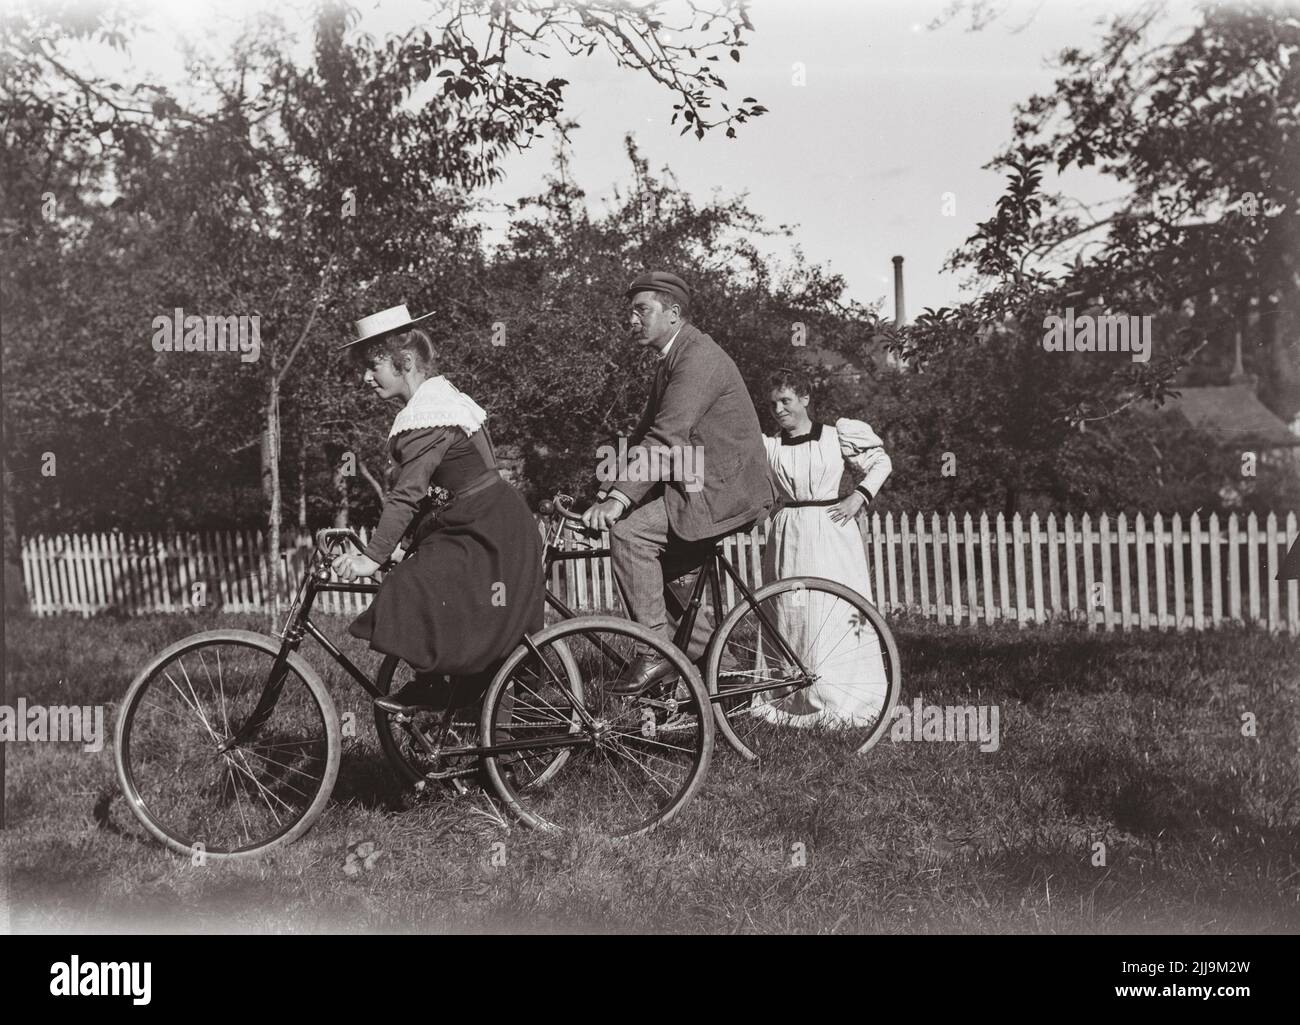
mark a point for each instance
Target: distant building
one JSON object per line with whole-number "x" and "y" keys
{"x": 834, "y": 368}
{"x": 1236, "y": 419}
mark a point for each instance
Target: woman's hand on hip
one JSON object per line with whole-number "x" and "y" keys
{"x": 847, "y": 508}
{"x": 350, "y": 567}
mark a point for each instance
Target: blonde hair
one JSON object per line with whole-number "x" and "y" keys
{"x": 414, "y": 343}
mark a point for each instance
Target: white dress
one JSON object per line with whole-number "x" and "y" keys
{"x": 805, "y": 541}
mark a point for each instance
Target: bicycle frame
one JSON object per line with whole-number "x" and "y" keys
{"x": 299, "y": 624}
{"x": 710, "y": 575}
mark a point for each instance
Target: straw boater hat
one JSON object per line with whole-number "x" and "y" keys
{"x": 384, "y": 323}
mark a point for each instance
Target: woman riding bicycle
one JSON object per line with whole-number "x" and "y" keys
{"x": 470, "y": 585}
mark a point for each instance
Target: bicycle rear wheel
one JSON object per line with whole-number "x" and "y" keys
{"x": 633, "y": 762}
{"x": 223, "y": 749}
{"x": 812, "y": 670}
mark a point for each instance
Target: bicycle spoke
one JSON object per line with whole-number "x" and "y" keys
{"x": 626, "y": 774}
{"x": 237, "y": 800}
{"x": 262, "y": 790}
{"x": 188, "y": 723}
{"x": 277, "y": 764}
{"x": 654, "y": 777}
{"x": 850, "y": 686}
{"x": 191, "y": 707}
{"x": 221, "y": 690}
{"x": 621, "y": 782}
{"x": 198, "y": 707}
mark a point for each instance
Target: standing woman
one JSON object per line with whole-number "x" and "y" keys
{"x": 815, "y": 534}
{"x": 470, "y": 584}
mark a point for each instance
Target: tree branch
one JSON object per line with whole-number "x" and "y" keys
{"x": 371, "y": 480}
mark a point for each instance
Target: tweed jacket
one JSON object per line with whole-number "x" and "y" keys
{"x": 700, "y": 418}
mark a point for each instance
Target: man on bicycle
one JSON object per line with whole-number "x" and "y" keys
{"x": 699, "y": 414}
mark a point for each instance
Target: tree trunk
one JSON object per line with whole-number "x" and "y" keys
{"x": 271, "y": 486}
{"x": 1010, "y": 501}
{"x": 1279, "y": 299}
{"x": 302, "y": 480}
{"x": 1279, "y": 324}
{"x": 341, "y": 492}
{"x": 15, "y": 593}
{"x": 372, "y": 480}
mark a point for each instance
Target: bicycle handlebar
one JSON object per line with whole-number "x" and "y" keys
{"x": 562, "y": 504}
{"x": 326, "y": 537}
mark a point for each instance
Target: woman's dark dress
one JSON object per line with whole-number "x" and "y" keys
{"x": 471, "y": 584}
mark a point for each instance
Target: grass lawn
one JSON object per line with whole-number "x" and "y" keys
{"x": 1134, "y": 742}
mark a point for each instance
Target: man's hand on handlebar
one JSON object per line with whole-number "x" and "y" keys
{"x": 603, "y": 515}
{"x": 350, "y": 567}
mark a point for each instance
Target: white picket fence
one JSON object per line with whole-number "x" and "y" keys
{"x": 1107, "y": 573}
{"x": 140, "y": 573}
{"x": 1104, "y": 573}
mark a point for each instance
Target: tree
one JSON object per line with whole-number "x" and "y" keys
{"x": 1181, "y": 249}
{"x": 280, "y": 189}
{"x": 1205, "y": 131}
{"x": 566, "y": 380}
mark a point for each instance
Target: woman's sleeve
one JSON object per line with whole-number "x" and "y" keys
{"x": 771, "y": 447}
{"x": 417, "y": 454}
{"x": 864, "y": 456}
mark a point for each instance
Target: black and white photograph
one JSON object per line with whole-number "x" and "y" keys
{"x": 652, "y": 468}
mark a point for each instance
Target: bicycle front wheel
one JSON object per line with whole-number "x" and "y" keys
{"x": 808, "y": 667}
{"x": 633, "y": 762}
{"x": 223, "y": 749}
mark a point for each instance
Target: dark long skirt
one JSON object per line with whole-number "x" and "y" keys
{"x": 468, "y": 592}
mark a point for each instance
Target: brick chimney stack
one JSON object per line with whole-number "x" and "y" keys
{"x": 900, "y": 317}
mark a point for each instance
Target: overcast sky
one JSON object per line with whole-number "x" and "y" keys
{"x": 892, "y": 116}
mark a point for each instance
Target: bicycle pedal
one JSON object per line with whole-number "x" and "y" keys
{"x": 404, "y": 712}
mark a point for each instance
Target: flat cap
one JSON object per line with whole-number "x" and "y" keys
{"x": 661, "y": 281}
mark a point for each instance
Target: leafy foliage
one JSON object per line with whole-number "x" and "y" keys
{"x": 1203, "y": 133}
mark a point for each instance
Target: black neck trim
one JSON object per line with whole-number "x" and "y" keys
{"x": 803, "y": 439}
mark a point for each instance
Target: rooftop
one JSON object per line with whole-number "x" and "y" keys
{"x": 1233, "y": 415}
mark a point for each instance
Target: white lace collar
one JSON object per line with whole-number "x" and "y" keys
{"x": 439, "y": 403}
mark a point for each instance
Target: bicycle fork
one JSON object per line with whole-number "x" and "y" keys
{"x": 265, "y": 704}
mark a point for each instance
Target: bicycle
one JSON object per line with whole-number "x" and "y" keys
{"x": 772, "y": 646}
{"x": 228, "y": 742}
